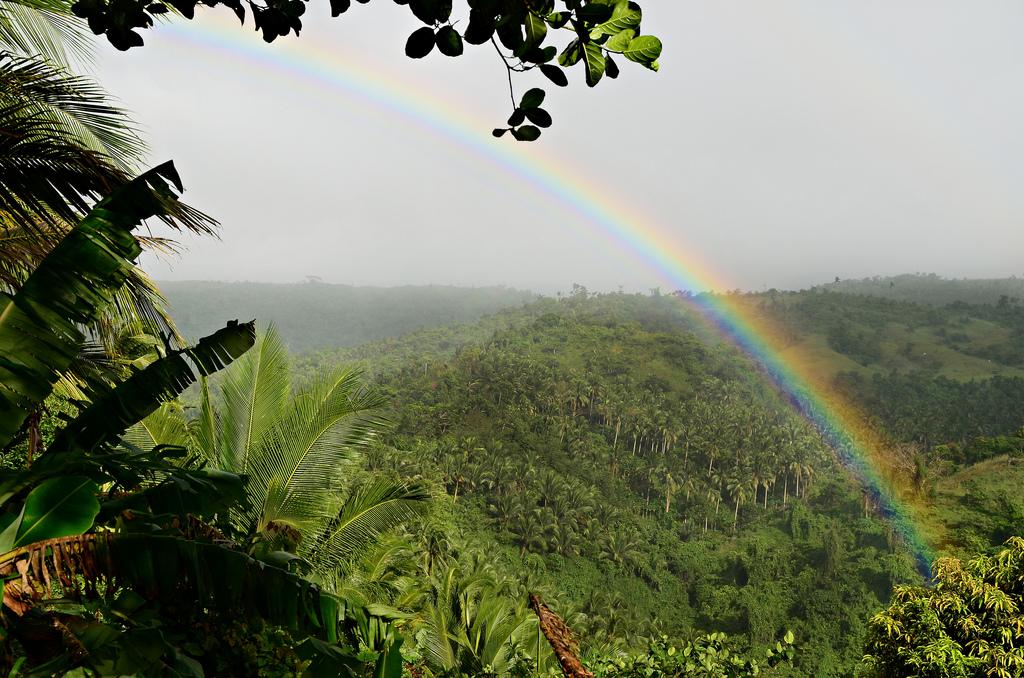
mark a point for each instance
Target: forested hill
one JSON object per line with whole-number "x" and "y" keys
{"x": 928, "y": 288}
{"x": 316, "y": 315}
{"x": 646, "y": 478}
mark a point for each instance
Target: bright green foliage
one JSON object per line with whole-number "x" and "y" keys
{"x": 706, "y": 657}
{"x": 39, "y": 327}
{"x": 640, "y": 475}
{"x": 298, "y": 452}
{"x": 58, "y": 507}
{"x": 969, "y": 623}
{"x": 472, "y": 627}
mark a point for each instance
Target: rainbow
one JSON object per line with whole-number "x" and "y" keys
{"x": 616, "y": 225}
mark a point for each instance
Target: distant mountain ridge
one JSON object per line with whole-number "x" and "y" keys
{"x": 934, "y": 290}
{"x": 315, "y": 315}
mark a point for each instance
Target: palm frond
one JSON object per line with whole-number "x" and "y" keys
{"x": 306, "y": 458}
{"x": 381, "y": 573}
{"x": 497, "y": 629}
{"x": 369, "y": 511}
{"x": 45, "y": 28}
{"x": 203, "y": 431}
{"x": 63, "y": 145}
{"x": 165, "y": 426}
{"x": 442, "y": 622}
{"x": 254, "y": 394}
{"x": 45, "y": 175}
{"x": 79, "y": 105}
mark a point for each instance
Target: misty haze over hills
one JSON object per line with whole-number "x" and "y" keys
{"x": 313, "y": 315}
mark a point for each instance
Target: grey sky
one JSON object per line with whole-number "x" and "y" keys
{"x": 783, "y": 142}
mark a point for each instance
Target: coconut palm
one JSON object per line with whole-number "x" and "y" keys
{"x": 298, "y": 451}
{"x": 47, "y": 28}
{"x": 470, "y": 627}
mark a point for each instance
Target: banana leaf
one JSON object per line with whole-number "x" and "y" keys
{"x": 40, "y": 331}
{"x": 111, "y": 413}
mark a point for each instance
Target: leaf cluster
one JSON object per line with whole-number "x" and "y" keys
{"x": 521, "y": 31}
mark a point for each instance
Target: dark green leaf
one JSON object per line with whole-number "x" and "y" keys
{"x": 39, "y": 326}
{"x": 480, "y": 29}
{"x": 555, "y": 75}
{"x": 611, "y": 69}
{"x": 570, "y": 56}
{"x": 420, "y": 43}
{"x": 518, "y": 117}
{"x": 594, "y": 13}
{"x": 425, "y": 10}
{"x": 340, "y": 6}
{"x": 593, "y": 56}
{"x": 202, "y": 493}
{"x": 536, "y": 29}
{"x": 558, "y": 19}
{"x": 449, "y": 42}
{"x": 526, "y": 133}
{"x": 111, "y": 413}
{"x": 499, "y": 132}
{"x": 442, "y": 10}
{"x": 539, "y": 117}
{"x": 511, "y": 35}
{"x": 533, "y": 98}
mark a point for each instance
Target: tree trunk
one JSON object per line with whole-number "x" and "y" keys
{"x": 561, "y": 640}
{"x": 35, "y": 437}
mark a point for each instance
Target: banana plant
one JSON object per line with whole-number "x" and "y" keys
{"x": 98, "y": 538}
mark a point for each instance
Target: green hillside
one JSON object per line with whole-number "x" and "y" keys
{"x": 866, "y": 334}
{"x": 646, "y": 478}
{"x": 648, "y": 481}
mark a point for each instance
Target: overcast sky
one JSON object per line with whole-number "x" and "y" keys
{"x": 783, "y": 143}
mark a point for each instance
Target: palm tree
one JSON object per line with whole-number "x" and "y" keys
{"x": 47, "y": 28}
{"x": 298, "y": 451}
{"x": 797, "y": 469}
{"x": 737, "y": 488}
{"x": 670, "y": 487}
{"x": 470, "y": 625}
{"x": 63, "y": 144}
